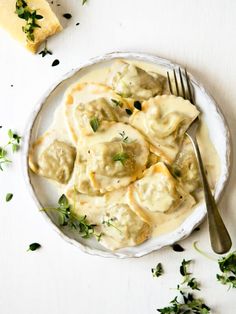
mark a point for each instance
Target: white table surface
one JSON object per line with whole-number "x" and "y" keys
{"x": 58, "y": 278}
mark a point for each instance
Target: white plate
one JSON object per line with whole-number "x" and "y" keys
{"x": 44, "y": 194}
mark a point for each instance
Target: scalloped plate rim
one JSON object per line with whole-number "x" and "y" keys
{"x": 180, "y": 233}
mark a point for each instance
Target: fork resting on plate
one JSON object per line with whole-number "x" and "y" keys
{"x": 219, "y": 236}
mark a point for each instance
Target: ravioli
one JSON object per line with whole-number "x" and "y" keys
{"x": 157, "y": 191}
{"x": 122, "y": 156}
{"x": 52, "y": 159}
{"x": 164, "y": 120}
{"x": 118, "y": 225}
{"x": 88, "y": 101}
{"x": 110, "y": 160}
{"x": 131, "y": 81}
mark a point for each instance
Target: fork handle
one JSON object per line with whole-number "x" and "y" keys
{"x": 219, "y": 236}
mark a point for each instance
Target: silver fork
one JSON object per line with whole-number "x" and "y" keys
{"x": 219, "y": 236}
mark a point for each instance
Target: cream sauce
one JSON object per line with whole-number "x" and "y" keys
{"x": 162, "y": 223}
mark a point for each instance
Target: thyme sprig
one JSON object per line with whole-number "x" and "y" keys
{"x": 157, "y": 271}
{"x": 30, "y": 16}
{"x": 110, "y": 223}
{"x": 227, "y": 265}
{"x": 45, "y": 51}
{"x": 67, "y": 218}
{"x": 186, "y": 303}
{"x": 14, "y": 142}
{"x": 191, "y": 282}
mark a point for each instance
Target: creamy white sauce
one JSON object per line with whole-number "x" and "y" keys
{"x": 162, "y": 223}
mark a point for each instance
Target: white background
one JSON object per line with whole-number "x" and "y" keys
{"x": 58, "y": 278}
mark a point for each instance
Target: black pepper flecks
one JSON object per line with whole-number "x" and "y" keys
{"x": 55, "y": 62}
{"x": 77, "y": 24}
{"x": 138, "y": 105}
{"x": 67, "y": 16}
{"x": 177, "y": 248}
{"x": 128, "y": 111}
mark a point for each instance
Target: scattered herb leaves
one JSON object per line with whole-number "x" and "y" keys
{"x": 177, "y": 247}
{"x": 227, "y": 265}
{"x": 188, "y": 305}
{"x": 193, "y": 284}
{"x": 9, "y": 196}
{"x": 45, "y": 51}
{"x": 124, "y": 137}
{"x": 190, "y": 282}
{"x": 110, "y": 223}
{"x": 66, "y": 218}
{"x": 117, "y": 102}
{"x": 94, "y": 124}
{"x": 3, "y": 158}
{"x": 184, "y": 268}
{"x": 122, "y": 157}
{"x": 55, "y": 62}
{"x": 138, "y": 105}
{"x": 84, "y": 1}
{"x": 157, "y": 271}
{"x": 34, "y": 246}
{"x": 128, "y": 111}
{"x": 30, "y": 16}
{"x": 14, "y": 141}
{"x": 67, "y": 16}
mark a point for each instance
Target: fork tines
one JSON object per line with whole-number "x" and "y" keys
{"x": 180, "y": 88}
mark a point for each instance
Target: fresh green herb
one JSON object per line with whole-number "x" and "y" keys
{"x": 193, "y": 284}
{"x": 45, "y": 51}
{"x": 128, "y": 111}
{"x": 98, "y": 236}
{"x": 3, "y": 158}
{"x": 110, "y": 223}
{"x": 138, "y": 105}
{"x": 122, "y": 157}
{"x": 9, "y": 196}
{"x": 55, "y": 62}
{"x": 14, "y": 141}
{"x": 188, "y": 305}
{"x": 124, "y": 137}
{"x": 34, "y": 247}
{"x": 84, "y": 1}
{"x": 184, "y": 268}
{"x": 94, "y": 124}
{"x": 177, "y": 248}
{"x": 30, "y": 16}
{"x": 66, "y": 218}
{"x": 117, "y": 102}
{"x": 67, "y": 16}
{"x": 227, "y": 265}
{"x": 157, "y": 271}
